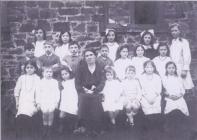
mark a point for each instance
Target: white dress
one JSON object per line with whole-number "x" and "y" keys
{"x": 181, "y": 55}
{"x": 112, "y": 93}
{"x": 151, "y": 92}
{"x": 174, "y": 86}
{"x": 49, "y": 95}
{"x": 113, "y": 47}
{"x": 160, "y": 63}
{"x": 25, "y": 89}
{"x": 120, "y": 66}
{"x": 39, "y": 48}
{"x": 69, "y": 97}
{"x": 138, "y": 63}
{"x": 62, "y": 51}
{"x": 132, "y": 93}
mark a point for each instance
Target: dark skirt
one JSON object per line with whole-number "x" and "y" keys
{"x": 90, "y": 107}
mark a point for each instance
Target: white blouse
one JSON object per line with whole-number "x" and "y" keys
{"x": 62, "y": 51}
{"x": 120, "y": 66}
{"x": 138, "y": 63}
{"x": 39, "y": 48}
{"x": 113, "y": 47}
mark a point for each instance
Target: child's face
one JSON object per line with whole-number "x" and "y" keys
{"x": 149, "y": 69}
{"x": 175, "y": 32}
{"x": 48, "y": 49}
{"x": 171, "y": 69}
{"x": 48, "y": 73}
{"x": 30, "y": 69}
{"x": 104, "y": 52}
{"x": 29, "y": 53}
{"x": 163, "y": 50}
{"x": 147, "y": 39}
{"x": 39, "y": 34}
{"x": 130, "y": 74}
{"x": 74, "y": 49}
{"x": 140, "y": 51}
{"x": 109, "y": 76}
{"x": 65, "y": 75}
{"x": 65, "y": 37}
{"x": 111, "y": 36}
{"x": 124, "y": 53}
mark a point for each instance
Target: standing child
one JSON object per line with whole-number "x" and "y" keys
{"x": 174, "y": 92}
{"x": 147, "y": 40}
{"x": 122, "y": 62}
{"x": 69, "y": 100}
{"x": 48, "y": 99}
{"x": 131, "y": 93}
{"x": 180, "y": 53}
{"x": 29, "y": 55}
{"x": 103, "y": 58}
{"x": 49, "y": 59}
{"x": 63, "y": 49}
{"x": 111, "y": 42}
{"x": 161, "y": 60}
{"x": 112, "y": 92}
{"x": 40, "y": 37}
{"x": 151, "y": 95}
{"x": 74, "y": 58}
{"x": 139, "y": 59}
{"x": 24, "y": 93}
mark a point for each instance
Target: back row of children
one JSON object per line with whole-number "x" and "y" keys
{"x": 131, "y": 83}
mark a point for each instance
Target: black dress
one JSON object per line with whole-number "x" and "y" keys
{"x": 90, "y": 107}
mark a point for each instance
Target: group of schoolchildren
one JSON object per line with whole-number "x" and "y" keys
{"x": 157, "y": 73}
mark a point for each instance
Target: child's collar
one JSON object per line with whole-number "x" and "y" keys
{"x": 49, "y": 54}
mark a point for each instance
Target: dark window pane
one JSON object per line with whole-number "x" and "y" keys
{"x": 146, "y": 12}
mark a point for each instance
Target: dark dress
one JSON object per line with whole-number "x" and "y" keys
{"x": 105, "y": 62}
{"x": 151, "y": 53}
{"x": 90, "y": 107}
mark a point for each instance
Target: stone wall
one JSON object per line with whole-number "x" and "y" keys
{"x": 86, "y": 20}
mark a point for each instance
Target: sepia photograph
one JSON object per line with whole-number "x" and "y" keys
{"x": 98, "y": 70}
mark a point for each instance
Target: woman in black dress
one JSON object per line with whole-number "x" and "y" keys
{"x": 89, "y": 82}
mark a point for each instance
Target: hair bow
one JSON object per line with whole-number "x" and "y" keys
{"x": 150, "y": 31}
{"x": 107, "y": 30}
{"x": 174, "y": 24}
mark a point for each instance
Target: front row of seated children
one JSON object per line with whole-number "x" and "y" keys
{"x": 131, "y": 94}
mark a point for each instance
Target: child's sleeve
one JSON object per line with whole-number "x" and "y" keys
{"x": 18, "y": 87}
{"x": 186, "y": 55}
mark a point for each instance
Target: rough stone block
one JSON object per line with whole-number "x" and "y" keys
{"x": 7, "y": 44}
{"x": 92, "y": 28}
{"x": 31, "y": 3}
{"x": 43, "y": 4}
{"x": 47, "y": 13}
{"x": 27, "y": 27}
{"x": 79, "y": 18}
{"x": 98, "y": 18}
{"x": 74, "y": 4}
{"x": 80, "y": 28}
{"x": 94, "y": 3}
{"x": 69, "y": 11}
{"x": 15, "y": 18}
{"x": 57, "y": 4}
{"x": 95, "y": 44}
{"x": 33, "y": 13}
{"x": 13, "y": 4}
{"x": 8, "y": 84}
{"x": 61, "y": 26}
{"x": 101, "y": 10}
{"x": 18, "y": 51}
{"x": 7, "y": 56}
{"x": 44, "y": 24}
{"x": 88, "y": 11}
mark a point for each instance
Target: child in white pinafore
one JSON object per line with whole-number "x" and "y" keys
{"x": 163, "y": 58}
{"x": 174, "y": 90}
{"x": 63, "y": 49}
{"x": 138, "y": 60}
{"x": 47, "y": 99}
{"x": 111, "y": 42}
{"x": 122, "y": 62}
{"x": 151, "y": 96}
{"x": 40, "y": 38}
{"x": 180, "y": 54}
{"x": 24, "y": 92}
{"x": 69, "y": 99}
{"x": 132, "y": 94}
{"x": 112, "y": 93}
